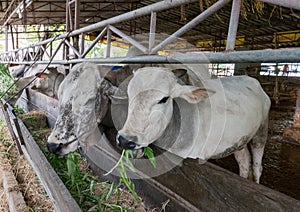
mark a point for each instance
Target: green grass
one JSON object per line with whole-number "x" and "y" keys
{"x": 83, "y": 185}
{"x": 124, "y": 164}
{"x": 6, "y": 82}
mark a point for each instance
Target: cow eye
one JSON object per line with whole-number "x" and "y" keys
{"x": 163, "y": 100}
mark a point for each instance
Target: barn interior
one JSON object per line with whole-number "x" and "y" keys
{"x": 239, "y": 37}
{"x": 261, "y": 25}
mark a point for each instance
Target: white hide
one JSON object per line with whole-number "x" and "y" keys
{"x": 79, "y": 103}
{"x": 81, "y": 94}
{"x": 17, "y": 71}
{"x": 228, "y": 118}
{"x": 48, "y": 83}
{"x": 83, "y": 103}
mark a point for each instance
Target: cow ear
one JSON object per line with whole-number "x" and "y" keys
{"x": 41, "y": 75}
{"x": 191, "y": 94}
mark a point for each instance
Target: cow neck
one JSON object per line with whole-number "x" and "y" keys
{"x": 172, "y": 131}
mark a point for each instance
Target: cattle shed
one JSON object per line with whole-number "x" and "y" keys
{"x": 256, "y": 36}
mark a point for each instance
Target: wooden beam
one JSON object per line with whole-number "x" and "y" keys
{"x": 14, "y": 197}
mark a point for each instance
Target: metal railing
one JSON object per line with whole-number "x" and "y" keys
{"x": 28, "y": 54}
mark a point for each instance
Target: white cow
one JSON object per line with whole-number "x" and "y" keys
{"x": 213, "y": 121}
{"x": 17, "y": 71}
{"x": 47, "y": 82}
{"x": 84, "y": 102}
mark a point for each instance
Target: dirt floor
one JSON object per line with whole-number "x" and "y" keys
{"x": 34, "y": 195}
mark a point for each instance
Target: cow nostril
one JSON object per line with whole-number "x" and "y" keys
{"x": 126, "y": 142}
{"x": 54, "y": 148}
{"x": 121, "y": 140}
{"x": 131, "y": 145}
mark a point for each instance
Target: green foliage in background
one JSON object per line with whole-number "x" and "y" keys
{"x": 6, "y": 80}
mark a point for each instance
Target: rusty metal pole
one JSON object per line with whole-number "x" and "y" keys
{"x": 233, "y": 25}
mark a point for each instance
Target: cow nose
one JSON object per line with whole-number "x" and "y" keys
{"x": 126, "y": 142}
{"x": 54, "y": 148}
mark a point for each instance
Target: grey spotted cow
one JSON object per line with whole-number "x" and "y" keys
{"x": 83, "y": 99}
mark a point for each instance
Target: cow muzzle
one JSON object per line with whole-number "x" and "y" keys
{"x": 54, "y": 148}
{"x": 57, "y": 148}
{"x": 129, "y": 142}
{"x": 126, "y": 141}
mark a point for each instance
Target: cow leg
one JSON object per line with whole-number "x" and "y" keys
{"x": 257, "y": 148}
{"x": 257, "y": 154}
{"x": 243, "y": 159}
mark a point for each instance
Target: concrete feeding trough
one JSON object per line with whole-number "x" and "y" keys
{"x": 190, "y": 186}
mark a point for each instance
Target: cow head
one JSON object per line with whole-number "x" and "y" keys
{"x": 78, "y": 104}
{"x": 83, "y": 103}
{"x": 150, "y": 94}
{"x": 63, "y": 138}
{"x": 48, "y": 82}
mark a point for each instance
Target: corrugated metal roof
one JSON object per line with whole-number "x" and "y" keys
{"x": 258, "y": 30}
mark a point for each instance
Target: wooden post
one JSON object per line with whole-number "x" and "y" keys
{"x": 9, "y": 125}
{"x": 293, "y": 132}
{"x": 14, "y": 196}
{"x": 297, "y": 112}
